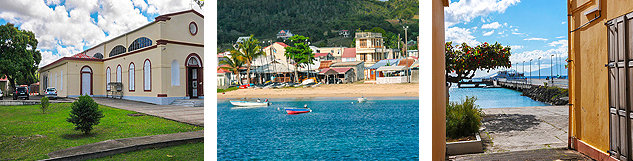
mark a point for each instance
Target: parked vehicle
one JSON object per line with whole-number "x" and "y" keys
{"x": 51, "y": 93}
{"x": 21, "y": 92}
{"x": 1, "y": 95}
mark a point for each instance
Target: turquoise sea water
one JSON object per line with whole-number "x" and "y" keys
{"x": 493, "y": 97}
{"x": 336, "y": 129}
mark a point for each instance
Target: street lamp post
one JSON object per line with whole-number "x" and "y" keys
{"x": 539, "y": 67}
{"x": 530, "y": 71}
{"x": 551, "y": 68}
{"x": 406, "y": 48}
{"x": 524, "y": 68}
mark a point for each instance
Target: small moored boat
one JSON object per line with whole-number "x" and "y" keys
{"x": 250, "y": 103}
{"x": 293, "y": 111}
{"x": 362, "y": 99}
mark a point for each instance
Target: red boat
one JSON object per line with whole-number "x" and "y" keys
{"x": 294, "y": 111}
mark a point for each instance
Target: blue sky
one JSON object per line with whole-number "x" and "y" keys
{"x": 534, "y": 28}
{"x": 67, "y": 27}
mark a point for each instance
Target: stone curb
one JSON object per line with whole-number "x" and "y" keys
{"x": 130, "y": 148}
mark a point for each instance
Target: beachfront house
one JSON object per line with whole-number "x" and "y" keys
{"x": 224, "y": 78}
{"x": 157, "y": 63}
{"x": 337, "y": 52}
{"x": 600, "y": 82}
{"x": 392, "y": 74}
{"x": 369, "y": 47}
{"x": 277, "y": 49}
{"x": 370, "y": 72}
{"x": 349, "y": 55}
{"x": 437, "y": 65}
{"x": 323, "y": 56}
{"x": 358, "y": 66}
{"x": 337, "y": 75}
{"x": 284, "y": 34}
{"x": 242, "y": 39}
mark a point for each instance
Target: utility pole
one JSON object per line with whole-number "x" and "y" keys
{"x": 399, "y": 54}
{"x": 539, "y": 67}
{"x": 530, "y": 71}
{"x": 551, "y": 68}
{"x": 407, "y": 52}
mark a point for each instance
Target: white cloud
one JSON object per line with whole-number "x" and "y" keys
{"x": 460, "y": 35}
{"x": 536, "y": 39}
{"x": 559, "y": 50}
{"x": 558, "y": 42}
{"x": 515, "y": 47}
{"x": 563, "y": 22}
{"x": 67, "y": 28}
{"x": 489, "y": 33}
{"x": 466, "y": 10}
{"x": 505, "y": 24}
{"x": 493, "y": 25}
{"x": 560, "y": 37}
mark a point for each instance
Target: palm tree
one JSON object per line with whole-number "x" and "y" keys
{"x": 246, "y": 52}
{"x": 233, "y": 64}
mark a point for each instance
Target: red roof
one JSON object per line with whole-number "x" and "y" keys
{"x": 349, "y": 53}
{"x": 320, "y": 54}
{"x": 280, "y": 43}
{"x": 220, "y": 70}
{"x": 82, "y": 55}
{"x": 325, "y": 64}
{"x": 338, "y": 70}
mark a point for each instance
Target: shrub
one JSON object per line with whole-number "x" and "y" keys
{"x": 44, "y": 104}
{"x": 463, "y": 118}
{"x": 85, "y": 114}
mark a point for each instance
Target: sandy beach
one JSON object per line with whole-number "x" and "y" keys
{"x": 329, "y": 90}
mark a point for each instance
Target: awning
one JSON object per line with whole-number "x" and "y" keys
{"x": 392, "y": 68}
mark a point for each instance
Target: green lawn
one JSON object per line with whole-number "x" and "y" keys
{"x": 27, "y": 134}
{"x": 192, "y": 151}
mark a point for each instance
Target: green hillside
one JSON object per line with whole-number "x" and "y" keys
{"x": 315, "y": 19}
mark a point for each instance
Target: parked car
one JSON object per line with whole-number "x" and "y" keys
{"x": 21, "y": 92}
{"x": 1, "y": 95}
{"x": 51, "y": 93}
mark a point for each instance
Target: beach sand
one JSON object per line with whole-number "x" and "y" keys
{"x": 330, "y": 90}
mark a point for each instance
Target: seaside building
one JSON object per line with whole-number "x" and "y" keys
{"x": 439, "y": 90}
{"x": 600, "y": 82}
{"x": 158, "y": 63}
{"x": 369, "y": 47}
{"x": 358, "y": 66}
{"x": 337, "y": 75}
{"x": 337, "y": 52}
{"x": 370, "y": 72}
{"x": 323, "y": 56}
{"x": 242, "y": 39}
{"x": 277, "y": 49}
{"x": 284, "y": 34}
{"x": 349, "y": 54}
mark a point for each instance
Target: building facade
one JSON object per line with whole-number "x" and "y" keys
{"x": 277, "y": 49}
{"x": 284, "y": 34}
{"x": 369, "y": 47}
{"x": 156, "y": 63}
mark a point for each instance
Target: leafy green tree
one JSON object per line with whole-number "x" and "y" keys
{"x": 247, "y": 51}
{"x": 299, "y": 52}
{"x": 463, "y": 60}
{"x": 19, "y": 57}
{"x": 234, "y": 63}
{"x": 85, "y": 114}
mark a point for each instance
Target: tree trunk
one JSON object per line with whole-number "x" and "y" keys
{"x": 296, "y": 76}
{"x": 248, "y": 72}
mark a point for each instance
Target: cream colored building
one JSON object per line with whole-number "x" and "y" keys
{"x": 369, "y": 48}
{"x": 157, "y": 63}
{"x": 337, "y": 52}
{"x": 277, "y": 49}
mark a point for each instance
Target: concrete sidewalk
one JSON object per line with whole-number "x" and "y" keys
{"x": 540, "y": 154}
{"x": 525, "y": 128}
{"x": 111, "y": 147}
{"x": 189, "y": 115}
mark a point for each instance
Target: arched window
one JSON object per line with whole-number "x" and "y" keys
{"x": 139, "y": 43}
{"x": 118, "y": 73}
{"x": 98, "y": 55}
{"x": 175, "y": 73}
{"x": 108, "y": 80}
{"x": 131, "y": 78}
{"x": 147, "y": 75}
{"x": 119, "y": 49}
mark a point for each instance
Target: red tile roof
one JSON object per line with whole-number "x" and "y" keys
{"x": 320, "y": 54}
{"x": 280, "y": 43}
{"x": 325, "y": 64}
{"x": 338, "y": 70}
{"x": 83, "y": 55}
{"x": 220, "y": 70}
{"x": 349, "y": 53}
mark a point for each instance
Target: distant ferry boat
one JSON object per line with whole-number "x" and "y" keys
{"x": 507, "y": 74}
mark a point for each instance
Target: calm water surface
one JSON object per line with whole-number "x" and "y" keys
{"x": 334, "y": 130}
{"x": 493, "y": 97}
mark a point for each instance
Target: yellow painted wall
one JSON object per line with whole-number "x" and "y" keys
{"x": 179, "y": 53}
{"x": 178, "y": 28}
{"x": 138, "y": 59}
{"x": 588, "y": 50}
{"x": 438, "y": 82}
{"x": 277, "y": 50}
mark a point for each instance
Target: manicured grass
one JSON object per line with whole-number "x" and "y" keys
{"x": 27, "y": 134}
{"x": 227, "y": 90}
{"x": 191, "y": 151}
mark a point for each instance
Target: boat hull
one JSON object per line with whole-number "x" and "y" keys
{"x": 362, "y": 99}
{"x": 297, "y": 110}
{"x": 248, "y": 103}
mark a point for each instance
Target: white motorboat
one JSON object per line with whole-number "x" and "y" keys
{"x": 362, "y": 99}
{"x": 250, "y": 103}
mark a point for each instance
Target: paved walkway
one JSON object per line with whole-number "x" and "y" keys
{"x": 525, "y": 128}
{"x": 189, "y": 115}
{"x": 111, "y": 147}
{"x": 540, "y": 154}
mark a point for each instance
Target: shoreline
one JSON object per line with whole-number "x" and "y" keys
{"x": 329, "y": 91}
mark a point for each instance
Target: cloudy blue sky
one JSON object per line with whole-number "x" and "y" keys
{"x": 67, "y": 27}
{"x": 533, "y": 28}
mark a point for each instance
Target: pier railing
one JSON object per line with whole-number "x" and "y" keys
{"x": 525, "y": 84}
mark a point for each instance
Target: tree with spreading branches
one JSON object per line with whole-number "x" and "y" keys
{"x": 19, "y": 57}
{"x": 299, "y": 52}
{"x": 462, "y": 60}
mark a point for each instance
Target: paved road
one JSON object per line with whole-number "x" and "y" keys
{"x": 525, "y": 128}
{"x": 189, "y": 115}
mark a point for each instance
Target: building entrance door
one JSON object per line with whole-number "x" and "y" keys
{"x": 193, "y": 80}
